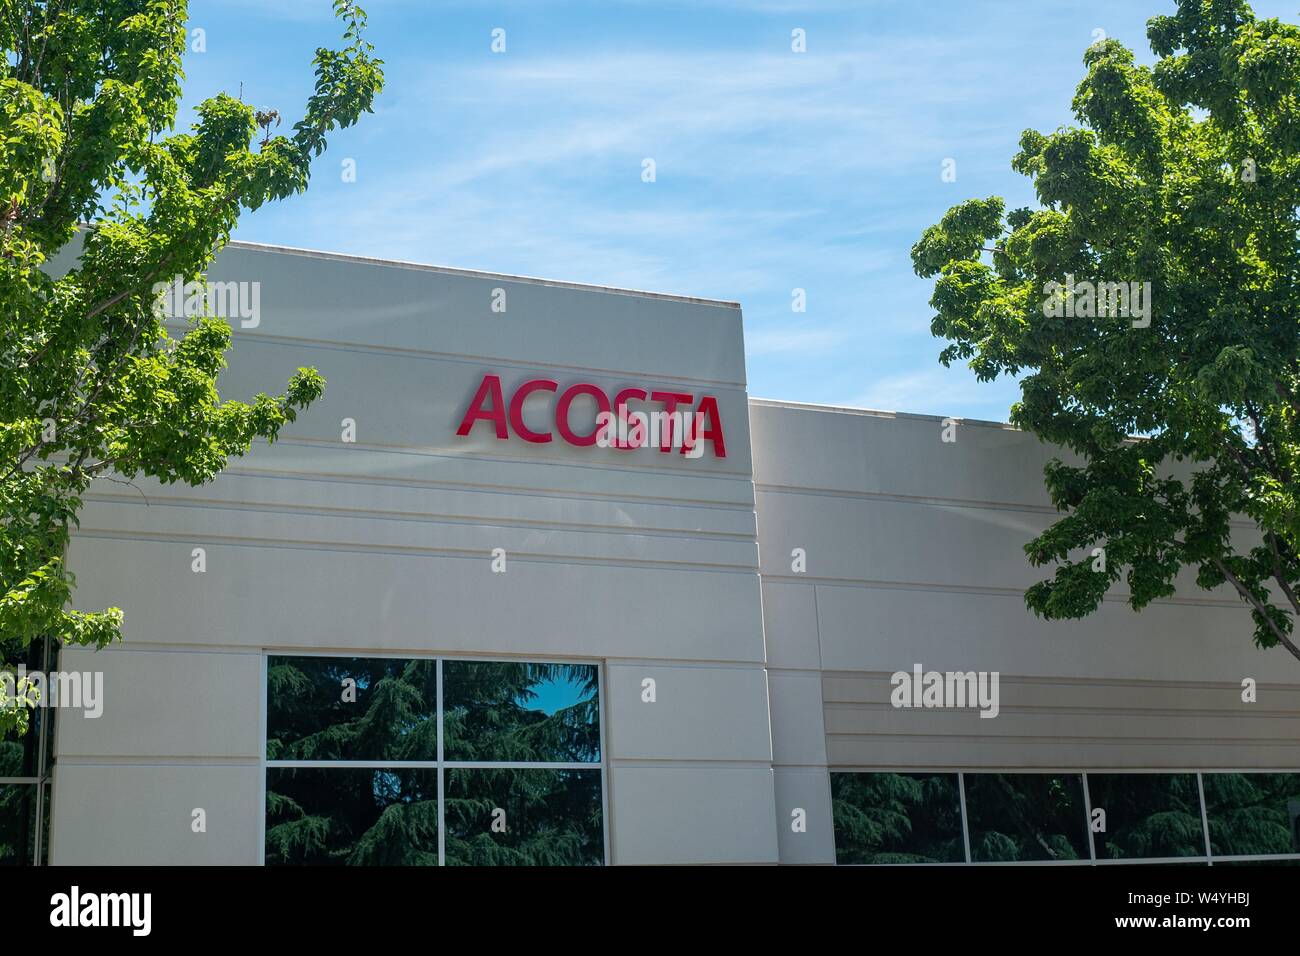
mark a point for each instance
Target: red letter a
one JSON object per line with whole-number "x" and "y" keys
{"x": 490, "y": 387}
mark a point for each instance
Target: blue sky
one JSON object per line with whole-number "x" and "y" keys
{"x": 774, "y": 170}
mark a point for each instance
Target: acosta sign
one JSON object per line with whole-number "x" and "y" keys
{"x": 677, "y": 422}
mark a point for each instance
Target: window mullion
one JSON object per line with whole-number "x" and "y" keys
{"x": 442, "y": 792}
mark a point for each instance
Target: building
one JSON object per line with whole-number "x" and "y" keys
{"x": 728, "y": 620}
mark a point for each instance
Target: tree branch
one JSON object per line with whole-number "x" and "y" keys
{"x": 1259, "y": 607}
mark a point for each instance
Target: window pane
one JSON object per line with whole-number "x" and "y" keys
{"x": 17, "y": 816}
{"x": 512, "y": 711}
{"x": 330, "y": 708}
{"x": 524, "y": 817}
{"x": 1147, "y": 815}
{"x": 896, "y": 818}
{"x": 1026, "y": 816}
{"x": 1253, "y": 813}
{"x": 18, "y": 753}
{"x": 352, "y": 817}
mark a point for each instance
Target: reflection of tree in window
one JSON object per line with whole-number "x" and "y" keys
{"x": 504, "y": 711}
{"x": 896, "y": 818}
{"x": 492, "y": 712}
{"x": 1253, "y": 813}
{"x": 545, "y": 817}
{"x": 19, "y": 757}
{"x": 1026, "y": 816}
{"x": 518, "y": 712}
{"x": 324, "y": 708}
{"x": 1148, "y": 815}
{"x": 17, "y": 815}
{"x": 354, "y": 816}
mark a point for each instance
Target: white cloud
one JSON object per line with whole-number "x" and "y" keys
{"x": 939, "y": 391}
{"x": 779, "y": 341}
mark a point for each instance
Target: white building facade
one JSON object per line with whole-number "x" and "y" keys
{"x": 687, "y": 653}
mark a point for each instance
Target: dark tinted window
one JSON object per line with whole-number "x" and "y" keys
{"x": 510, "y": 711}
{"x": 897, "y": 818}
{"x": 329, "y": 708}
{"x": 1026, "y": 816}
{"x": 384, "y": 713}
{"x": 524, "y": 818}
{"x": 1147, "y": 815}
{"x": 351, "y": 816}
{"x": 1253, "y": 813}
{"x": 17, "y": 824}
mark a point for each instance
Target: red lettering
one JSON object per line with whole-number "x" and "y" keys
{"x": 670, "y": 401}
{"x": 702, "y": 424}
{"x": 562, "y": 412}
{"x": 620, "y": 409}
{"x": 707, "y": 411}
{"x": 517, "y": 410}
{"x": 490, "y": 386}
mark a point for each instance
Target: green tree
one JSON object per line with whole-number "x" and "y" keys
{"x": 1185, "y": 175}
{"x": 91, "y": 383}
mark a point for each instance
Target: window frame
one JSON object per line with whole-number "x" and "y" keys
{"x": 441, "y": 765}
{"x": 1206, "y": 858}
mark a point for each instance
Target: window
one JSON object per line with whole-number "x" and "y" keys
{"x": 1026, "y": 816}
{"x": 423, "y": 761}
{"x": 1191, "y": 818}
{"x": 1253, "y": 814}
{"x": 26, "y": 768}
{"x": 897, "y": 818}
{"x": 1148, "y": 815}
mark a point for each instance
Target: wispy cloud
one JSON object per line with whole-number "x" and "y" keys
{"x": 936, "y": 390}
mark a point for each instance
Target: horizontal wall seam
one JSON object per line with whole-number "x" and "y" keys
{"x": 940, "y": 588}
{"x": 142, "y": 645}
{"x": 933, "y": 500}
{"x": 925, "y": 500}
{"x": 133, "y": 644}
{"x": 406, "y": 550}
{"x": 1038, "y": 680}
{"x": 1055, "y": 739}
{"x": 415, "y": 517}
{"x": 428, "y": 451}
{"x": 1045, "y": 770}
{"x": 674, "y": 662}
{"x": 1077, "y": 710}
{"x": 485, "y": 488}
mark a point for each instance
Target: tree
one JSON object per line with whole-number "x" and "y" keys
{"x": 1186, "y": 176}
{"x": 92, "y": 385}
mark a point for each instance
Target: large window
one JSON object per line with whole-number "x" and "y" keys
{"x": 1217, "y": 818}
{"x": 1150, "y": 816}
{"x": 1025, "y": 817}
{"x": 26, "y": 768}
{"x": 424, "y": 761}
{"x": 897, "y": 818}
{"x": 1253, "y": 814}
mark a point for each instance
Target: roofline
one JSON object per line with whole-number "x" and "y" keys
{"x": 479, "y": 274}
{"x": 878, "y": 413}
